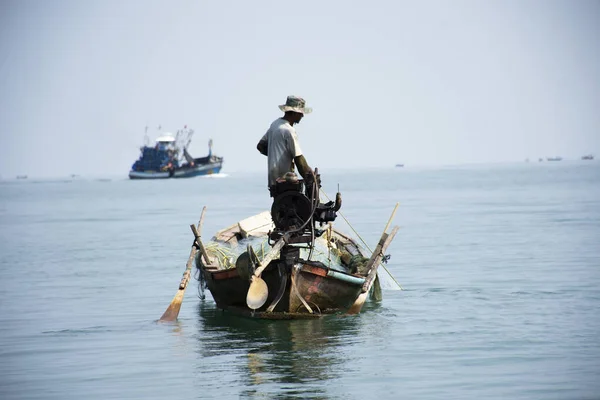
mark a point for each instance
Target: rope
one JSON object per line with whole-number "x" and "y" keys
{"x": 363, "y": 241}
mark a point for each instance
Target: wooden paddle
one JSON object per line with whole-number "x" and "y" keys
{"x": 172, "y": 311}
{"x": 258, "y": 291}
{"x": 373, "y": 264}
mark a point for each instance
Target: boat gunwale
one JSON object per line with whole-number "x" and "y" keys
{"x": 322, "y": 271}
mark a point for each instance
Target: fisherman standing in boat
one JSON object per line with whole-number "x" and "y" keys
{"x": 280, "y": 143}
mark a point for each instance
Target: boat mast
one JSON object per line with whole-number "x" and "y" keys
{"x": 182, "y": 141}
{"x": 146, "y": 138}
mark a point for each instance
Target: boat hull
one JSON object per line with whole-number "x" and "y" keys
{"x": 325, "y": 291}
{"x": 338, "y": 278}
{"x": 199, "y": 170}
{"x": 148, "y": 175}
{"x": 183, "y": 172}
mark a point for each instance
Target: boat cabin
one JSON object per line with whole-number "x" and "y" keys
{"x": 165, "y": 142}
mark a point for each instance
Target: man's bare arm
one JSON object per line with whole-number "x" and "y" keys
{"x": 303, "y": 167}
{"x": 262, "y": 146}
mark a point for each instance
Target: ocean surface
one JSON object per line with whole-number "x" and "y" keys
{"x": 499, "y": 265}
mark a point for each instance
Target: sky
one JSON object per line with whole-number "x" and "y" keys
{"x": 412, "y": 82}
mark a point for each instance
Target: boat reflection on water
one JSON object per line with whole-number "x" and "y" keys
{"x": 266, "y": 357}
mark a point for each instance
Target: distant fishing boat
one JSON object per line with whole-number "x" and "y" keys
{"x": 399, "y": 165}
{"x": 588, "y": 157}
{"x": 554, "y": 158}
{"x": 21, "y": 176}
{"x": 169, "y": 158}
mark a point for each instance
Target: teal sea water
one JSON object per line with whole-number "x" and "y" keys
{"x": 500, "y": 266}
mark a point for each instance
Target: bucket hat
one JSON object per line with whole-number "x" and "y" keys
{"x": 296, "y": 104}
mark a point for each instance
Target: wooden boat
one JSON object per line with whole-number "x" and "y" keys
{"x": 308, "y": 289}
{"x": 298, "y": 289}
{"x": 288, "y": 263}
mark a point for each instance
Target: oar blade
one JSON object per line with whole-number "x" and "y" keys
{"x": 172, "y": 311}
{"x": 257, "y": 294}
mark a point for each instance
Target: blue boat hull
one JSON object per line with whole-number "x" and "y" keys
{"x": 185, "y": 171}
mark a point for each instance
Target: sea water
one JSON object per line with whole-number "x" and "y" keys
{"x": 499, "y": 265}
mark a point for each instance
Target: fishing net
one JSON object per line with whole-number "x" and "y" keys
{"x": 332, "y": 256}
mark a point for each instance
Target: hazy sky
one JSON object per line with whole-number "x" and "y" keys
{"x": 420, "y": 82}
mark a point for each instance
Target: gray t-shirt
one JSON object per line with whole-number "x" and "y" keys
{"x": 283, "y": 146}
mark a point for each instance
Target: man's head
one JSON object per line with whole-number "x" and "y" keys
{"x": 293, "y": 117}
{"x": 294, "y": 108}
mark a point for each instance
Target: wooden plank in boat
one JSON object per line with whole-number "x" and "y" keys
{"x": 228, "y": 234}
{"x": 257, "y": 225}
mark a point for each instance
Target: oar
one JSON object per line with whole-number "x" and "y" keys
{"x": 258, "y": 291}
{"x": 391, "y": 218}
{"x": 172, "y": 311}
{"x": 373, "y": 264}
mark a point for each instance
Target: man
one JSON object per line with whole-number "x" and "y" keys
{"x": 280, "y": 143}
